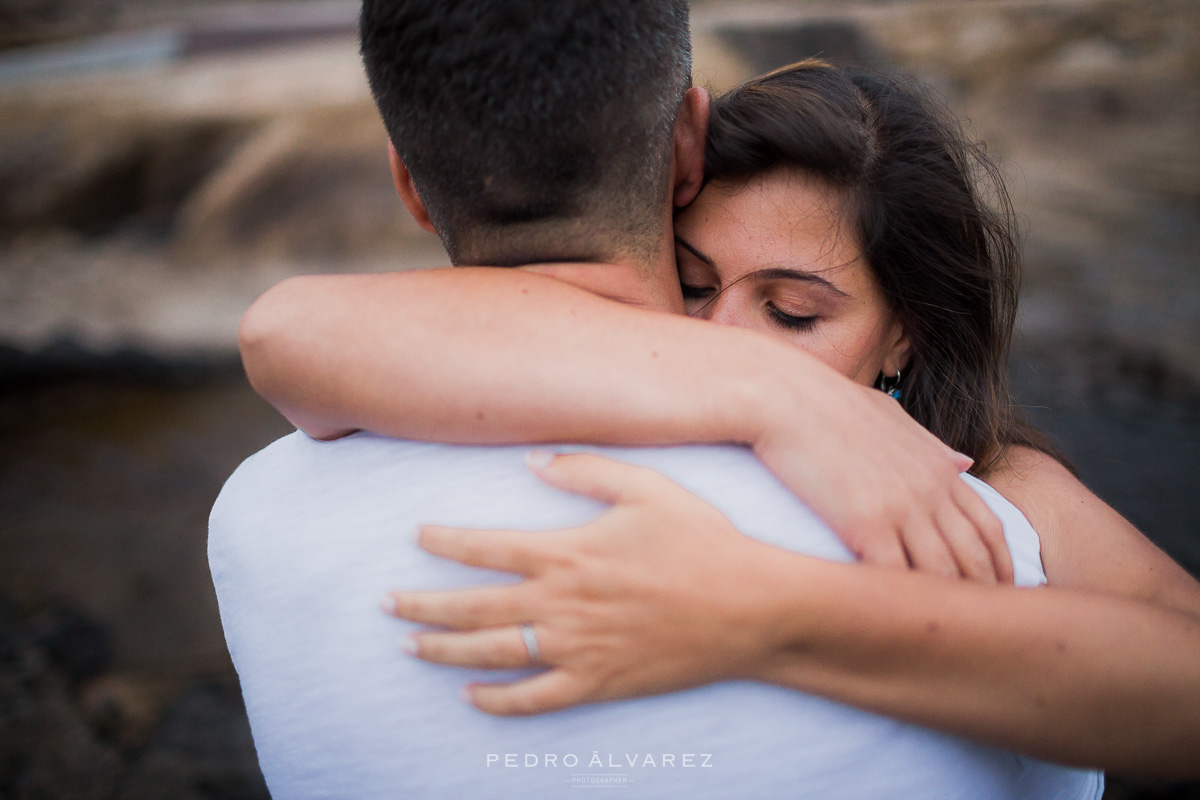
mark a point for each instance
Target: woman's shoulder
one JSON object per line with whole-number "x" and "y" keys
{"x": 1085, "y": 543}
{"x": 1019, "y": 463}
{"x": 1049, "y": 496}
{"x": 1039, "y": 485}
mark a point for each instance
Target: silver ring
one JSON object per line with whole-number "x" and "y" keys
{"x": 529, "y": 636}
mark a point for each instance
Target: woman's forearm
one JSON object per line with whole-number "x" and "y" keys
{"x": 492, "y": 356}
{"x": 1068, "y": 676}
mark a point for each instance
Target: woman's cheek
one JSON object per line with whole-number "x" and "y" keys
{"x": 848, "y": 349}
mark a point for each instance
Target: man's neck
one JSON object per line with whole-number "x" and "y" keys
{"x": 644, "y": 277}
{"x": 654, "y": 287}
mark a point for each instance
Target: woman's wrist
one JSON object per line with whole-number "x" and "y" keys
{"x": 779, "y": 616}
{"x": 821, "y": 625}
{"x": 769, "y": 389}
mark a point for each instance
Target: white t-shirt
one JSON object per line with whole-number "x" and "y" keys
{"x": 307, "y": 537}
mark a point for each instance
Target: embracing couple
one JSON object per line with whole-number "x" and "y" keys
{"x": 787, "y": 589}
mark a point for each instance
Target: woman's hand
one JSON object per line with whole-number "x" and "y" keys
{"x": 888, "y": 487}
{"x": 385, "y": 353}
{"x": 659, "y": 594}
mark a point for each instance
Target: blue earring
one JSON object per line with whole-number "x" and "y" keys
{"x": 889, "y": 386}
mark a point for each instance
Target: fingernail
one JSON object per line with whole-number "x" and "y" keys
{"x": 538, "y": 459}
{"x": 388, "y": 604}
{"x": 465, "y": 694}
{"x": 409, "y": 645}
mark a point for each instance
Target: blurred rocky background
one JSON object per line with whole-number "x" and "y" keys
{"x": 163, "y": 162}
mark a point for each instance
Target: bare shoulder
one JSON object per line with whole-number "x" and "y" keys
{"x": 1044, "y": 490}
{"x": 1085, "y": 543}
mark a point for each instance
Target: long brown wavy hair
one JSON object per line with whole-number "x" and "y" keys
{"x": 931, "y": 214}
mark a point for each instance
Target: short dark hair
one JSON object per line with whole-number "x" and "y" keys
{"x": 530, "y": 111}
{"x": 931, "y": 214}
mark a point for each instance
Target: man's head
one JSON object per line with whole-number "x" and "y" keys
{"x": 533, "y": 130}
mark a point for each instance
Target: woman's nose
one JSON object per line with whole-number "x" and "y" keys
{"x": 722, "y": 309}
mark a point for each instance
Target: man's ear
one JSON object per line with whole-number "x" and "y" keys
{"x": 691, "y": 134}
{"x": 407, "y": 190}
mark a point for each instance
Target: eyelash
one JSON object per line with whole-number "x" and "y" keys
{"x": 792, "y": 323}
{"x": 782, "y": 319}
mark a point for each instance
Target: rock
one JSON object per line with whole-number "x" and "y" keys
{"x": 77, "y": 646}
{"x": 1092, "y": 108}
{"x": 141, "y": 210}
{"x": 115, "y": 741}
{"x": 202, "y": 749}
{"x": 144, "y": 210}
{"x": 99, "y": 179}
{"x": 46, "y": 749}
{"x": 839, "y": 41}
{"x": 273, "y": 198}
{"x": 125, "y": 708}
{"x": 24, "y": 22}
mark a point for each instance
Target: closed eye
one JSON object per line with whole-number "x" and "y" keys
{"x": 791, "y": 322}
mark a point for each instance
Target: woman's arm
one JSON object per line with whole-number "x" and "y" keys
{"x": 486, "y": 355}
{"x": 1101, "y": 667}
{"x": 1071, "y": 676}
{"x": 1086, "y": 544}
{"x": 662, "y": 593}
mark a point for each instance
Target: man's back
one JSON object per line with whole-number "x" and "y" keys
{"x": 307, "y": 537}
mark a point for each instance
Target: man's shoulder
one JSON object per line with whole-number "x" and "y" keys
{"x": 299, "y": 458}
{"x": 297, "y": 466}
{"x": 298, "y": 499}
{"x": 367, "y": 480}
{"x": 296, "y": 472}
{"x": 298, "y": 450}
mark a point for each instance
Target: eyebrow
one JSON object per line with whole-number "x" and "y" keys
{"x": 771, "y": 273}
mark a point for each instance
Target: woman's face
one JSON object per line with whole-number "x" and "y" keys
{"x": 773, "y": 254}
